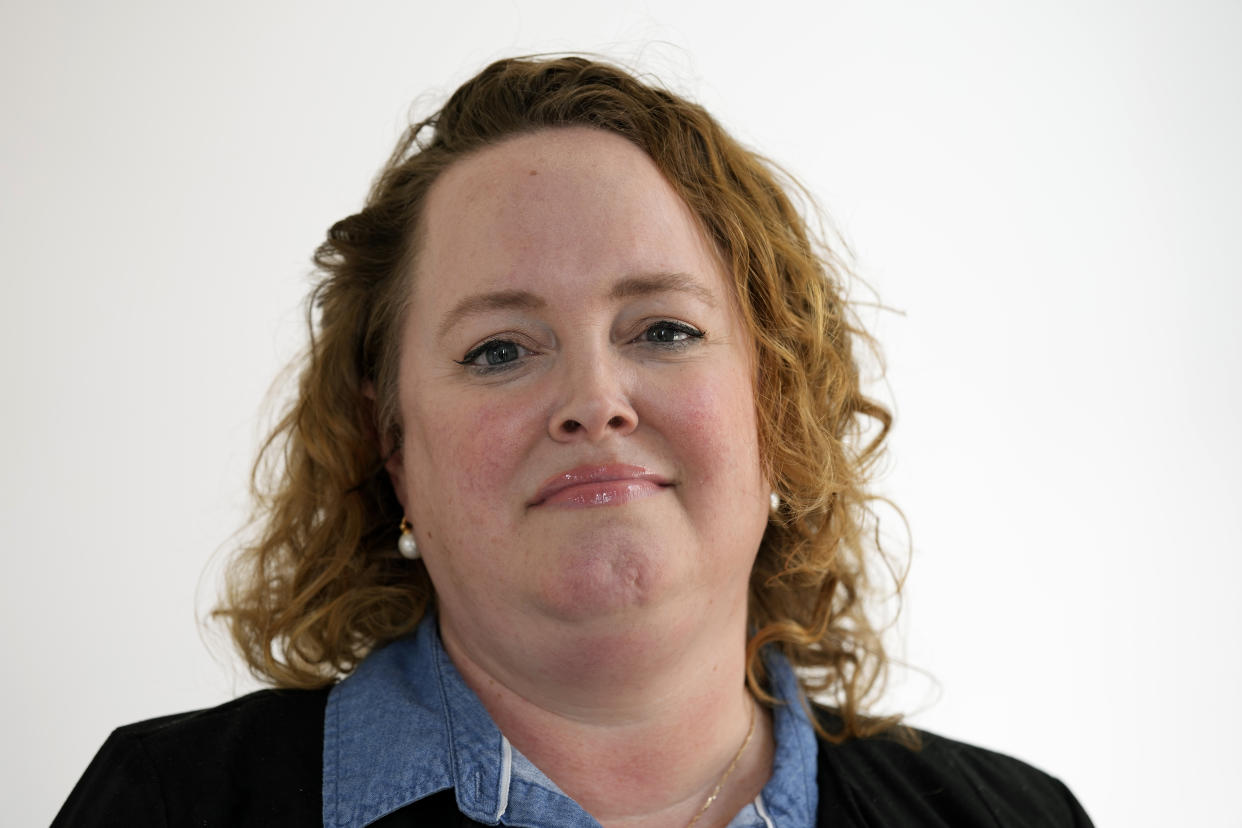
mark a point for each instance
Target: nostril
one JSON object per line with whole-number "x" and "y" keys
{"x": 616, "y": 422}
{"x": 570, "y": 426}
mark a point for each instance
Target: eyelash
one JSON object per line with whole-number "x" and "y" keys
{"x": 474, "y": 353}
{"x": 686, "y": 333}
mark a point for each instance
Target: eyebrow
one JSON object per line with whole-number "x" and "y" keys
{"x": 628, "y": 288}
{"x": 649, "y": 283}
{"x": 494, "y": 301}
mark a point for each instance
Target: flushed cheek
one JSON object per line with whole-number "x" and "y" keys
{"x": 716, "y": 429}
{"x": 465, "y": 494}
{"x": 480, "y": 447}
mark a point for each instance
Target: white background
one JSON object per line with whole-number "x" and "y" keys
{"x": 1048, "y": 193}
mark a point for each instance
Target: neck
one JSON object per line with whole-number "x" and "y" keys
{"x": 637, "y": 731}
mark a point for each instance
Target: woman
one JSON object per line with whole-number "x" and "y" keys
{"x": 572, "y": 485}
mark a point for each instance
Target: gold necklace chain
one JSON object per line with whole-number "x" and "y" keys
{"x": 750, "y": 731}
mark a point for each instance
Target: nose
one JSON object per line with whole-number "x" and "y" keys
{"x": 595, "y": 402}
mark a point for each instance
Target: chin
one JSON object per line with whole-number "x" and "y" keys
{"x": 609, "y": 577}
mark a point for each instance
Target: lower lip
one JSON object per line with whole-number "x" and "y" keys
{"x": 603, "y": 493}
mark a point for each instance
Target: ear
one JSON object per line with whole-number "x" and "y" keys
{"x": 394, "y": 463}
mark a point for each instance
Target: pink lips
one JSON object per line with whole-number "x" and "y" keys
{"x": 609, "y": 485}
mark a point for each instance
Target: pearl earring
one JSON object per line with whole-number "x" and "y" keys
{"x": 406, "y": 545}
{"x": 775, "y": 500}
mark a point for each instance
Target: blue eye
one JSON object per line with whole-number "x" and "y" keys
{"x": 495, "y": 353}
{"x": 667, "y": 332}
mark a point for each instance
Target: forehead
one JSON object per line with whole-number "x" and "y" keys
{"x": 555, "y": 202}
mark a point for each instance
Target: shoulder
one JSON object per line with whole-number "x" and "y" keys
{"x": 882, "y": 780}
{"x": 256, "y": 760}
{"x": 267, "y": 723}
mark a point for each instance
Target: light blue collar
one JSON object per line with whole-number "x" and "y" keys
{"x": 404, "y": 725}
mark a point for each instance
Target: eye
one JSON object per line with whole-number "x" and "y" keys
{"x": 495, "y": 354}
{"x": 669, "y": 333}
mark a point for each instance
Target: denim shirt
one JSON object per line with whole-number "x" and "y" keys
{"x": 404, "y": 725}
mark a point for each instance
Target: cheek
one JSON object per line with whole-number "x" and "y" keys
{"x": 718, "y": 430}
{"x": 467, "y": 450}
{"x": 727, "y": 496}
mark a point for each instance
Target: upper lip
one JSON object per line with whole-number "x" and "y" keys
{"x": 594, "y": 474}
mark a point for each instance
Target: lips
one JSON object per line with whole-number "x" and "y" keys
{"x": 607, "y": 485}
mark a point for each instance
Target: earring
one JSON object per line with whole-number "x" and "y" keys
{"x": 775, "y": 500}
{"x": 406, "y": 545}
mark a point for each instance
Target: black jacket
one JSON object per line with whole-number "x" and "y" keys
{"x": 258, "y": 760}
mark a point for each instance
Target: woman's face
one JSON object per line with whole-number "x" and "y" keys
{"x": 576, "y": 396}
